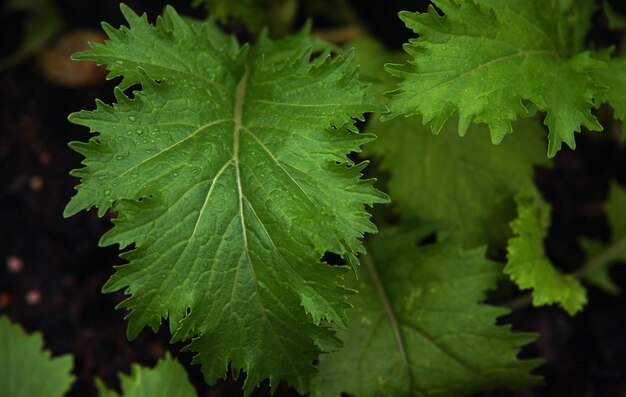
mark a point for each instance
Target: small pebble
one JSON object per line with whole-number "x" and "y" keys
{"x": 45, "y": 157}
{"x": 15, "y": 264}
{"x": 33, "y": 297}
{"x": 5, "y": 299}
{"x": 36, "y": 183}
{"x": 157, "y": 350}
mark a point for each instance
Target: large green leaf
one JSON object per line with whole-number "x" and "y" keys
{"x": 529, "y": 267}
{"x": 229, "y": 175}
{"x": 26, "y": 370}
{"x": 418, "y": 327}
{"x": 167, "y": 378}
{"x": 465, "y": 181}
{"x": 492, "y": 61}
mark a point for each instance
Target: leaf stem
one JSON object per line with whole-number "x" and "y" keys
{"x": 606, "y": 256}
{"x": 393, "y": 320}
{"x": 611, "y": 253}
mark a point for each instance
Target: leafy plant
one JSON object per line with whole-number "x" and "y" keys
{"x": 27, "y": 371}
{"x": 41, "y": 21}
{"x": 231, "y": 170}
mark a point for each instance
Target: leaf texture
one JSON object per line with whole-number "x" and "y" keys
{"x": 26, "y": 370}
{"x": 167, "y": 378}
{"x": 613, "y": 78}
{"x": 253, "y": 14}
{"x": 418, "y": 327}
{"x": 465, "y": 182}
{"x": 529, "y": 267}
{"x": 229, "y": 175}
{"x": 493, "y": 61}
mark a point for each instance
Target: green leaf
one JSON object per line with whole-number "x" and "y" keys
{"x": 167, "y": 378}
{"x": 418, "y": 326}
{"x": 465, "y": 181}
{"x": 496, "y": 60}
{"x": 528, "y": 265}
{"x": 616, "y": 20}
{"x": 43, "y": 20}
{"x": 371, "y": 54}
{"x": 26, "y": 370}
{"x": 613, "y": 78}
{"x": 229, "y": 175}
{"x": 253, "y": 14}
{"x": 615, "y": 208}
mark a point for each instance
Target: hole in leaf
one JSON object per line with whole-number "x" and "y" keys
{"x": 333, "y": 259}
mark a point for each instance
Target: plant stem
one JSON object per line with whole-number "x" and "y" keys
{"x": 598, "y": 261}
{"x": 606, "y": 256}
{"x": 368, "y": 263}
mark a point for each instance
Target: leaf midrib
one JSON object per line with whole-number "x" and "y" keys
{"x": 391, "y": 315}
{"x": 240, "y": 93}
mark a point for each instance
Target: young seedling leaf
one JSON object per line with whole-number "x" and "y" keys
{"x": 167, "y": 378}
{"x": 26, "y": 370}
{"x": 615, "y": 209}
{"x": 529, "y": 267}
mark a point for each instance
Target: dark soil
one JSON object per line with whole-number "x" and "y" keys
{"x": 57, "y": 287}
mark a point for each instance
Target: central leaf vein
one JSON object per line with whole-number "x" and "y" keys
{"x": 240, "y": 93}
{"x": 391, "y": 315}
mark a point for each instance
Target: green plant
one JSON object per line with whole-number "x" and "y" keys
{"x": 231, "y": 170}
{"x": 28, "y": 371}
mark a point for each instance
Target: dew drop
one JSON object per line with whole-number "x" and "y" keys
{"x": 119, "y": 157}
{"x": 176, "y": 174}
{"x": 107, "y": 192}
{"x": 148, "y": 151}
{"x": 131, "y": 118}
{"x": 103, "y": 177}
{"x": 139, "y": 132}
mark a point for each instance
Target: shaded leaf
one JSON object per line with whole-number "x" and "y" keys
{"x": 167, "y": 378}
{"x": 26, "y": 370}
{"x": 615, "y": 209}
{"x": 465, "y": 181}
{"x": 418, "y": 326}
